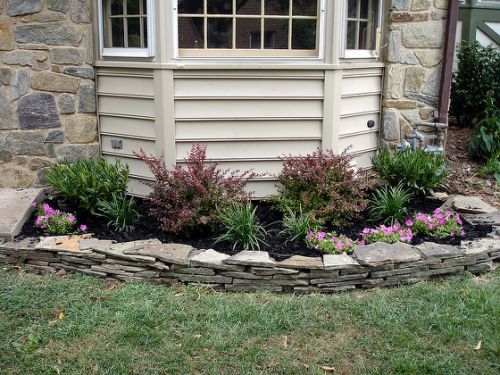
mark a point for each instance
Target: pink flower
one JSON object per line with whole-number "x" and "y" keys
{"x": 310, "y": 235}
{"x": 409, "y": 223}
{"x": 462, "y": 233}
{"x": 71, "y": 218}
{"x": 33, "y": 204}
{"x": 366, "y": 231}
{"x": 340, "y": 245}
{"x": 83, "y": 228}
{"x": 458, "y": 220}
{"x": 453, "y": 234}
{"x": 320, "y": 236}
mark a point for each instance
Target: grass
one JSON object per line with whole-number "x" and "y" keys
{"x": 427, "y": 328}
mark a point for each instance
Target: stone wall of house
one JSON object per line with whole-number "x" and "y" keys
{"x": 414, "y": 56}
{"x": 47, "y": 90}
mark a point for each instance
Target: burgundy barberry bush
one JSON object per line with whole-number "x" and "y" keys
{"x": 324, "y": 184}
{"x": 189, "y": 197}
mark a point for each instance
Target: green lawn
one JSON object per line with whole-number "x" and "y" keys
{"x": 428, "y": 328}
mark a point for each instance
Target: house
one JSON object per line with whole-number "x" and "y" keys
{"x": 251, "y": 79}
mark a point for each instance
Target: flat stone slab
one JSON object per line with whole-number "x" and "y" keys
{"x": 440, "y": 251}
{"x": 339, "y": 262}
{"x": 95, "y": 244}
{"x": 117, "y": 250}
{"x": 26, "y": 244}
{"x": 492, "y": 218}
{"x": 480, "y": 246}
{"x": 169, "y": 253}
{"x": 302, "y": 262}
{"x": 69, "y": 243}
{"x": 251, "y": 258}
{"x": 212, "y": 259}
{"x": 379, "y": 253}
{"x": 471, "y": 205}
{"x": 15, "y": 210}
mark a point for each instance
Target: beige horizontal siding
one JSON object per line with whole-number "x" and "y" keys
{"x": 129, "y": 145}
{"x": 359, "y": 123}
{"x": 127, "y": 126}
{"x": 120, "y": 85}
{"x": 127, "y": 106}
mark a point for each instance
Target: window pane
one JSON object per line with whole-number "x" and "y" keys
{"x": 352, "y": 8}
{"x": 351, "y": 35}
{"x": 133, "y": 7}
{"x": 363, "y": 36}
{"x": 116, "y": 7}
{"x": 248, "y": 6}
{"x": 144, "y": 6}
{"x": 190, "y": 6}
{"x": 117, "y": 32}
{"x": 220, "y": 33}
{"x": 191, "y": 32}
{"x": 277, "y": 7}
{"x": 220, "y": 6}
{"x": 276, "y": 33}
{"x": 134, "y": 32}
{"x": 145, "y": 31}
{"x": 305, "y": 7}
{"x": 363, "y": 14}
{"x": 248, "y": 33}
{"x": 303, "y": 34}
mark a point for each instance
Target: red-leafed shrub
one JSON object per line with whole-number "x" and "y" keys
{"x": 322, "y": 183}
{"x": 190, "y": 196}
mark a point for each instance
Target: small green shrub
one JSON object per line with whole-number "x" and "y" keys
{"x": 440, "y": 224}
{"x": 418, "y": 172}
{"x": 242, "y": 227}
{"x": 85, "y": 182}
{"x": 120, "y": 210}
{"x": 296, "y": 226}
{"x": 323, "y": 184}
{"x": 485, "y": 142}
{"x": 492, "y": 167}
{"x": 54, "y": 221}
{"x": 388, "y": 234}
{"x": 478, "y": 72}
{"x": 388, "y": 204}
{"x": 330, "y": 243}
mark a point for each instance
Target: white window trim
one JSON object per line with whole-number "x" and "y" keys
{"x": 129, "y": 52}
{"x": 288, "y": 57}
{"x": 359, "y": 53}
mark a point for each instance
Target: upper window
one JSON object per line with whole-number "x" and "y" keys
{"x": 362, "y": 28}
{"x": 271, "y": 28}
{"x": 126, "y": 29}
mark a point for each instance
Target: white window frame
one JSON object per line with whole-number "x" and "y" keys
{"x": 360, "y": 53}
{"x": 272, "y": 54}
{"x": 129, "y": 52}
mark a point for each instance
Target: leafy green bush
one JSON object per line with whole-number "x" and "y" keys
{"x": 478, "y": 72}
{"x": 418, "y": 172}
{"x": 492, "y": 167}
{"x": 388, "y": 204}
{"x": 242, "y": 227}
{"x": 323, "y": 184}
{"x": 120, "y": 210}
{"x": 296, "y": 226}
{"x": 485, "y": 142}
{"x": 85, "y": 182}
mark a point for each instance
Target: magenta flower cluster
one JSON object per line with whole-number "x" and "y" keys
{"x": 54, "y": 221}
{"x": 440, "y": 224}
{"x": 388, "y": 234}
{"x": 331, "y": 243}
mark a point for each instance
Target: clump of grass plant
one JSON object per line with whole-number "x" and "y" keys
{"x": 388, "y": 204}
{"x": 120, "y": 210}
{"x": 242, "y": 228}
{"x": 297, "y": 225}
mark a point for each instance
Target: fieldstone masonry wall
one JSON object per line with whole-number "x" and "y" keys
{"x": 370, "y": 266}
{"x": 47, "y": 90}
{"x": 413, "y": 73}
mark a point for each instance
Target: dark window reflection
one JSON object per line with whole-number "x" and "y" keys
{"x": 133, "y": 7}
{"x": 190, "y": 6}
{"x": 220, "y": 6}
{"x": 117, "y": 32}
{"x": 134, "y": 32}
{"x": 351, "y": 35}
{"x": 352, "y": 8}
{"x": 276, "y": 33}
{"x": 364, "y": 9}
{"x": 248, "y": 33}
{"x": 277, "y": 7}
{"x": 220, "y": 33}
{"x": 116, "y": 7}
{"x": 145, "y": 30}
{"x": 248, "y": 7}
{"x": 304, "y": 34}
{"x": 191, "y": 32}
{"x": 305, "y": 8}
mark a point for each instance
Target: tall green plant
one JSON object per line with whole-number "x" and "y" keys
{"x": 478, "y": 72}
{"x": 418, "y": 172}
{"x": 85, "y": 182}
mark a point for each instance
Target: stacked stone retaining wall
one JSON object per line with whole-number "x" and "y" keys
{"x": 47, "y": 89}
{"x": 375, "y": 265}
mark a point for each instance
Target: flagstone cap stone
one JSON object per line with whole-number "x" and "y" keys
{"x": 480, "y": 246}
{"x": 251, "y": 258}
{"x": 382, "y": 253}
{"x": 212, "y": 259}
{"x": 492, "y": 218}
{"x": 170, "y": 252}
{"x": 302, "y": 262}
{"x": 441, "y": 251}
{"x": 69, "y": 243}
{"x": 339, "y": 262}
{"x": 471, "y": 205}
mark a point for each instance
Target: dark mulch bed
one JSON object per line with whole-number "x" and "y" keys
{"x": 147, "y": 228}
